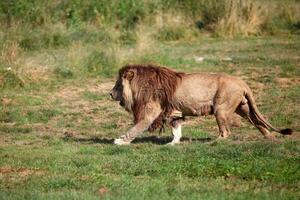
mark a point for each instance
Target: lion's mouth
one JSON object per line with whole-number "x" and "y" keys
{"x": 122, "y": 103}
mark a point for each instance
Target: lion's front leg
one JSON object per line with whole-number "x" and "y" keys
{"x": 151, "y": 112}
{"x": 176, "y": 131}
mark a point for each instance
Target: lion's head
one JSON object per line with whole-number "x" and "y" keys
{"x": 139, "y": 84}
{"x": 122, "y": 91}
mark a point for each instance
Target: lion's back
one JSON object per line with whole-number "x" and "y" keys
{"x": 202, "y": 87}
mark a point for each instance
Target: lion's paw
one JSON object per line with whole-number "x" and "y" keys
{"x": 172, "y": 143}
{"x": 120, "y": 141}
{"x": 220, "y": 138}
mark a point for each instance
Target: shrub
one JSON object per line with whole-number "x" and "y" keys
{"x": 170, "y": 33}
{"x": 101, "y": 63}
{"x": 172, "y": 26}
{"x": 63, "y": 72}
{"x": 37, "y": 40}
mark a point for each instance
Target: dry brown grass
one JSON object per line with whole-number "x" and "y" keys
{"x": 242, "y": 18}
{"x": 291, "y": 12}
{"x": 10, "y": 53}
{"x": 173, "y": 25}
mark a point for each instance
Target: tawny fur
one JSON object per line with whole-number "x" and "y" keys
{"x": 148, "y": 90}
{"x": 127, "y": 95}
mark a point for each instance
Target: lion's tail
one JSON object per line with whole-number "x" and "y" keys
{"x": 259, "y": 118}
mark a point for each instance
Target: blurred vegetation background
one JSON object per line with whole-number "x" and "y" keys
{"x": 47, "y": 40}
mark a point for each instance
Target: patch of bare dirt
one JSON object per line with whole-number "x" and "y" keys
{"x": 72, "y": 92}
{"x": 104, "y": 87}
{"x": 69, "y": 92}
{"x": 72, "y": 96}
{"x": 287, "y": 82}
{"x": 6, "y": 101}
{"x": 103, "y": 190}
{"x": 78, "y": 108}
{"x": 22, "y": 171}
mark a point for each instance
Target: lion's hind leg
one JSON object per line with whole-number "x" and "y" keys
{"x": 223, "y": 111}
{"x": 222, "y": 120}
{"x": 244, "y": 111}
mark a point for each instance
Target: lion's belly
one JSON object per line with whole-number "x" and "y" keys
{"x": 191, "y": 104}
{"x": 197, "y": 109}
{"x": 195, "y": 95}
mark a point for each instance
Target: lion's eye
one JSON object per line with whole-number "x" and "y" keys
{"x": 118, "y": 87}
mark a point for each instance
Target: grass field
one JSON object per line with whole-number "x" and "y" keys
{"x": 56, "y": 136}
{"x": 59, "y": 59}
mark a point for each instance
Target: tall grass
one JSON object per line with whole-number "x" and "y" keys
{"x": 68, "y": 39}
{"x": 242, "y": 18}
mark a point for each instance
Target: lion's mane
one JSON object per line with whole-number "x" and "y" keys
{"x": 152, "y": 83}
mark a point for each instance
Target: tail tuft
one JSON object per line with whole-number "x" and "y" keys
{"x": 286, "y": 131}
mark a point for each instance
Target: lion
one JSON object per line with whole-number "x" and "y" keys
{"x": 157, "y": 95}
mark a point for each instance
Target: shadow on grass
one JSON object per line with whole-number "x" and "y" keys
{"x": 149, "y": 139}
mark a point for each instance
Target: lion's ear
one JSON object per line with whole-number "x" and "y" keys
{"x": 128, "y": 75}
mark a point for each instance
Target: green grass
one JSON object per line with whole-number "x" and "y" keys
{"x": 56, "y": 133}
{"x": 193, "y": 170}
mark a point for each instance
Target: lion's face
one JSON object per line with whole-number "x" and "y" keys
{"x": 122, "y": 91}
{"x": 117, "y": 92}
